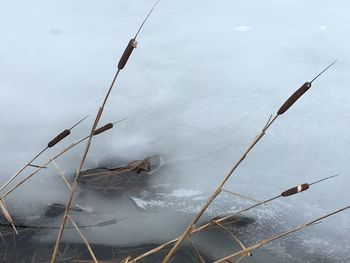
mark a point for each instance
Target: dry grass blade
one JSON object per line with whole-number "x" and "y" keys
{"x": 123, "y": 60}
{"x": 107, "y": 173}
{"x": 290, "y": 101}
{"x": 48, "y": 162}
{"x": 60, "y": 172}
{"x": 22, "y": 169}
{"x": 215, "y": 221}
{"x": 7, "y": 214}
{"x": 197, "y": 252}
{"x": 84, "y": 239}
{"x": 53, "y": 142}
{"x": 217, "y": 191}
{"x": 233, "y": 236}
{"x": 126, "y": 260}
{"x": 36, "y": 171}
{"x": 74, "y": 187}
{"x": 241, "y": 195}
{"x": 241, "y": 258}
{"x": 288, "y": 232}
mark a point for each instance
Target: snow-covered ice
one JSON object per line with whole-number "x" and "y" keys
{"x": 202, "y": 82}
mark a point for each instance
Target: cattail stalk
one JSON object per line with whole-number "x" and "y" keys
{"x": 219, "y": 220}
{"x": 92, "y": 254}
{"x": 50, "y": 160}
{"x": 53, "y": 142}
{"x": 216, "y": 192}
{"x": 288, "y": 232}
{"x": 60, "y": 172}
{"x": 121, "y": 65}
{"x": 233, "y": 236}
{"x": 73, "y": 187}
{"x": 290, "y": 101}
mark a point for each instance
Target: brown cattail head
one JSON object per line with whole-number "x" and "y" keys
{"x": 295, "y": 190}
{"x": 294, "y": 97}
{"x": 58, "y": 138}
{"x": 103, "y": 128}
{"x": 127, "y": 52}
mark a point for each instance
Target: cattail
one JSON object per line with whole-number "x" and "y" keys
{"x": 294, "y": 97}
{"x": 132, "y": 43}
{"x": 107, "y": 127}
{"x": 7, "y": 214}
{"x": 53, "y": 142}
{"x": 63, "y": 134}
{"x": 121, "y": 64}
{"x": 103, "y": 128}
{"x": 58, "y": 138}
{"x": 126, "y": 54}
{"x": 300, "y": 92}
{"x": 37, "y": 166}
{"x": 291, "y": 100}
{"x": 47, "y": 163}
{"x": 295, "y": 190}
{"x": 217, "y": 220}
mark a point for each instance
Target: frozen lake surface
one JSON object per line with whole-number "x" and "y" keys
{"x": 202, "y": 82}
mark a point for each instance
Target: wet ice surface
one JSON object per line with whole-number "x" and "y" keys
{"x": 201, "y": 83}
{"x": 249, "y": 227}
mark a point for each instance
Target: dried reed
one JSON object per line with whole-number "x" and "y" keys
{"x": 7, "y": 214}
{"x": 241, "y": 196}
{"x": 232, "y": 236}
{"x": 197, "y": 252}
{"x": 61, "y": 173}
{"x": 21, "y": 227}
{"x": 52, "y": 143}
{"x": 223, "y": 219}
{"x": 92, "y": 254}
{"x": 53, "y": 158}
{"x": 191, "y": 229}
{"x": 122, "y": 62}
{"x": 289, "y": 102}
{"x": 288, "y": 232}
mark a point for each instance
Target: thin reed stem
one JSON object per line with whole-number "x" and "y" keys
{"x": 73, "y": 188}
{"x": 216, "y": 192}
{"x": 61, "y": 174}
{"x": 53, "y": 142}
{"x": 241, "y": 195}
{"x": 232, "y": 235}
{"x": 288, "y": 232}
{"x": 92, "y": 254}
{"x": 122, "y": 62}
{"x": 219, "y": 220}
{"x": 50, "y": 160}
{"x": 7, "y": 214}
{"x": 197, "y": 252}
{"x": 22, "y": 169}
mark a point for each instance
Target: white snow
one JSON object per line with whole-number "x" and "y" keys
{"x": 183, "y": 192}
{"x": 141, "y": 203}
